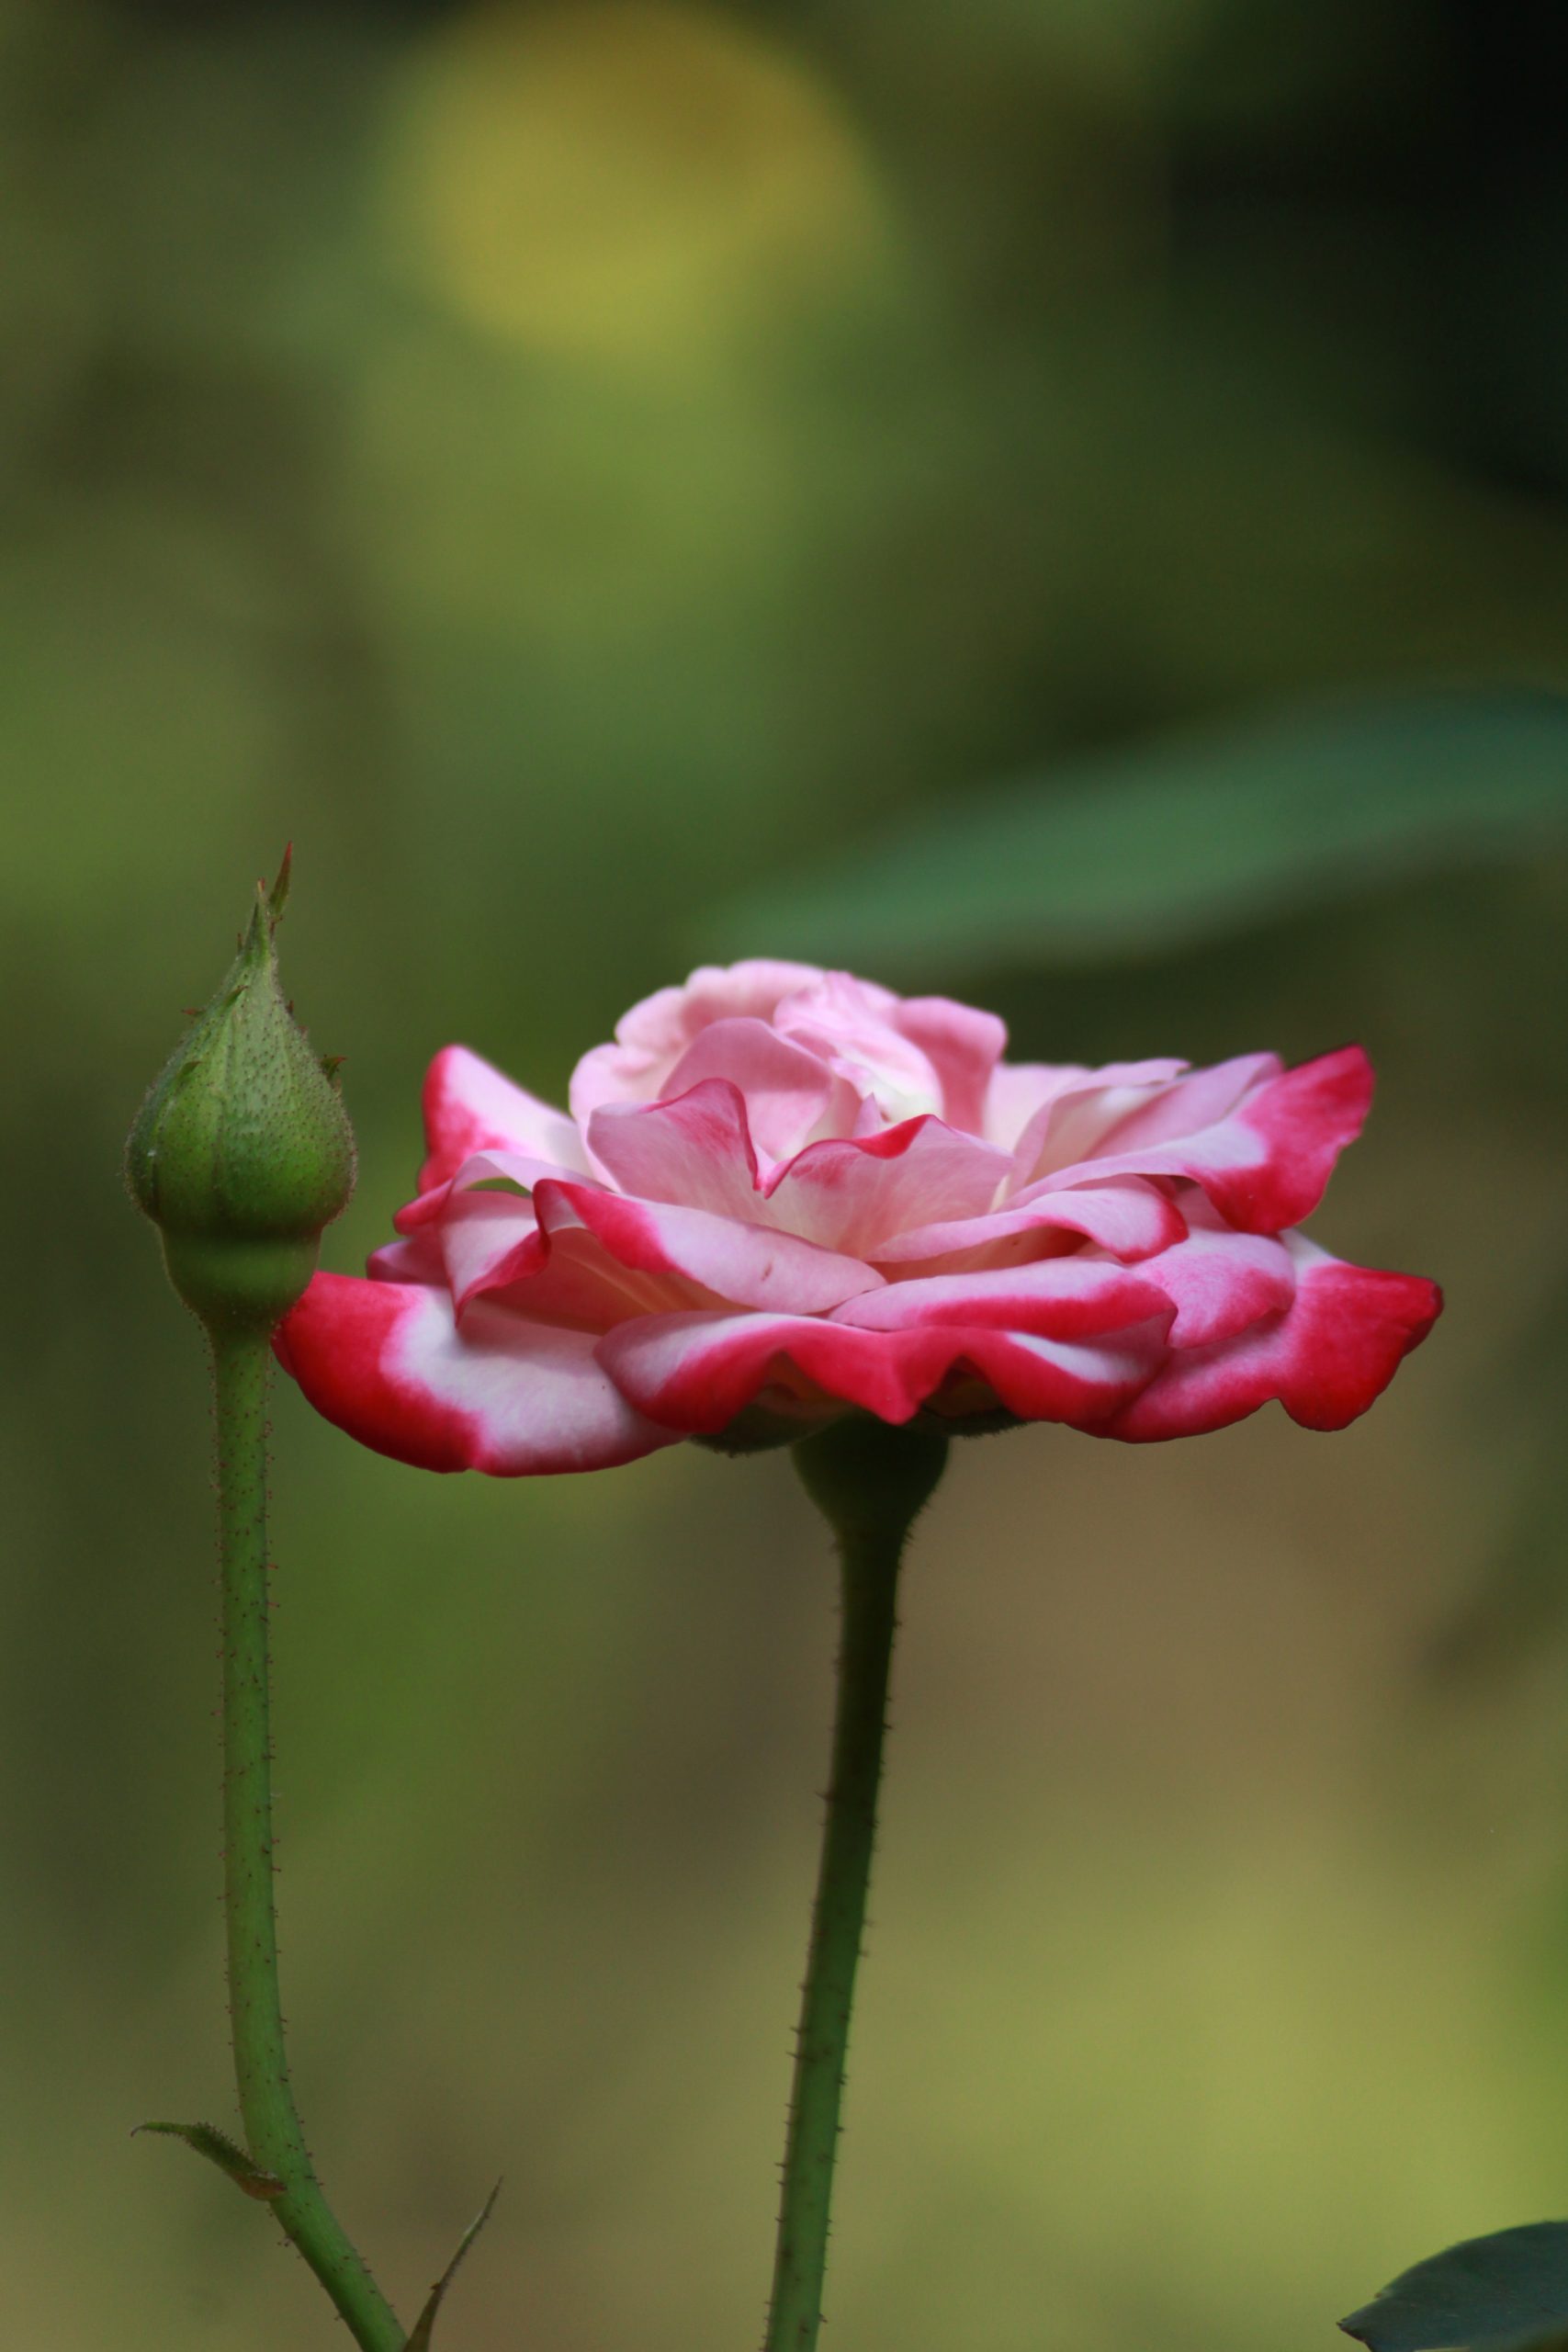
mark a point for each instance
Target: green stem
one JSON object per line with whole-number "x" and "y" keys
{"x": 869, "y": 1481}
{"x": 241, "y": 1363}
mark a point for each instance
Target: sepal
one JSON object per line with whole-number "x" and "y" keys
{"x": 219, "y": 2150}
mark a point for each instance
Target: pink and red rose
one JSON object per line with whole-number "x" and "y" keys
{"x": 783, "y": 1194}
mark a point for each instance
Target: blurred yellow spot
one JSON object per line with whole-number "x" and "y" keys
{"x": 630, "y": 182}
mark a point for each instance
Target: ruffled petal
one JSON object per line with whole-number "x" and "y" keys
{"x": 962, "y": 1046}
{"x": 651, "y": 1037}
{"x": 1055, "y": 1298}
{"x": 1196, "y": 1098}
{"x": 1264, "y": 1163}
{"x": 697, "y": 1149}
{"x": 852, "y": 1027}
{"x": 749, "y": 1265}
{"x": 1075, "y": 1118}
{"x": 699, "y": 1373}
{"x": 561, "y": 1272}
{"x": 470, "y": 1106}
{"x": 786, "y": 1088}
{"x": 1082, "y": 1383}
{"x": 856, "y": 1193}
{"x": 417, "y": 1261}
{"x": 1018, "y": 1092}
{"x": 482, "y": 1237}
{"x": 1326, "y": 1357}
{"x": 387, "y": 1363}
{"x": 1220, "y": 1281}
{"x": 1126, "y": 1216}
{"x": 491, "y": 1166}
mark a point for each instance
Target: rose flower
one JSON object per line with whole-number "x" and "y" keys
{"x": 783, "y": 1196}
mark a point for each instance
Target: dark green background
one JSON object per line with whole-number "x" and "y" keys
{"x": 565, "y": 470}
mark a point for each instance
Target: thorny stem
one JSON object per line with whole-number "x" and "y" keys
{"x": 240, "y": 1363}
{"x": 869, "y": 1481}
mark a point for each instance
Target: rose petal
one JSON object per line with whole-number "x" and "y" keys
{"x": 1074, "y": 1119}
{"x": 1126, "y": 1216}
{"x": 470, "y": 1106}
{"x": 481, "y": 1168}
{"x": 1195, "y": 1100}
{"x": 856, "y": 1193}
{"x": 1265, "y": 1164}
{"x": 386, "y": 1361}
{"x": 752, "y": 1265}
{"x": 1056, "y": 1299}
{"x": 418, "y": 1260}
{"x": 1327, "y": 1358}
{"x": 1220, "y": 1281}
{"x": 695, "y": 1150}
{"x": 1018, "y": 1090}
{"x": 651, "y": 1037}
{"x": 786, "y": 1088}
{"x": 963, "y": 1046}
{"x": 559, "y": 1271}
{"x": 855, "y": 1029}
{"x": 700, "y": 1371}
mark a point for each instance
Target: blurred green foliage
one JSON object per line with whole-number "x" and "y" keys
{"x": 1185, "y": 841}
{"x": 564, "y": 466}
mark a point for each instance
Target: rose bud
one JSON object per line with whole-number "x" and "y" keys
{"x": 242, "y": 1152}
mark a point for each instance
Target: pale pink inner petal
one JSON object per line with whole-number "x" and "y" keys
{"x": 666, "y": 1022}
{"x": 695, "y": 1150}
{"x": 1128, "y": 1217}
{"x": 1201, "y": 1100}
{"x": 852, "y": 1027}
{"x": 1070, "y": 1126}
{"x": 1018, "y": 1092}
{"x": 650, "y": 1039}
{"x": 1055, "y": 1298}
{"x": 581, "y": 1282}
{"x": 786, "y": 1088}
{"x": 730, "y": 1258}
{"x": 856, "y": 1195}
{"x": 963, "y": 1048}
{"x": 479, "y": 1234}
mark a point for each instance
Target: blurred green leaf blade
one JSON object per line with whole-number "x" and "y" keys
{"x": 1506, "y": 2293}
{"x": 1182, "y": 841}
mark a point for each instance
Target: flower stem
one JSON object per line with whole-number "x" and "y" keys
{"x": 869, "y": 1481}
{"x": 242, "y": 1364}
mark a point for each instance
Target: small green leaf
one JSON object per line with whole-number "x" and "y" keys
{"x": 1177, "y": 841}
{"x": 425, "y": 2324}
{"x": 219, "y": 2149}
{"x": 1507, "y": 2292}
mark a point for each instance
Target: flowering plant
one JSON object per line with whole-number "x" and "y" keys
{"x": 783, "y": 1194}
{"x": 787, "y": 1208}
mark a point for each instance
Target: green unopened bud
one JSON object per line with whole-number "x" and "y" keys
{"x": 243, "y": 1150}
